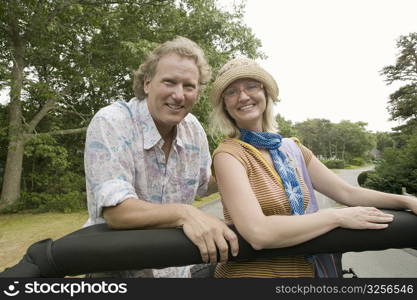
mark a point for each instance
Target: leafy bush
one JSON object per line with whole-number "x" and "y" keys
{"x": 362, "y": 177}
{"x": 357, "y": 161}
{"x": 386, "y": 184}
{"x": 397, "y": 168}
{"x": 334, "y": 163}
{"x": 51, "y": 181}
{"x": 43, "y": 202}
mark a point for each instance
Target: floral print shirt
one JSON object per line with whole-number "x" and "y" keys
{"x": 124, "y": 159}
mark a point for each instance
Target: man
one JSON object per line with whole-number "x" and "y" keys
{"x": 146, "y": 160}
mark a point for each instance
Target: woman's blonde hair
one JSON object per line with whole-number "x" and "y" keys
{"x": 181, "y": 46}
{"x": 221, "y": 122}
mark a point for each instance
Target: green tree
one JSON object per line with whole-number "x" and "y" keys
{"x": 384, "y": 140}
{"x": 353, "y": 140}
{"x": 285, "y": 127}
{"x": 345, "y": 140}
{"x": 314, "y": 133}
{"x": 398, "y": 165}
{"x": 403, "y": 103}
{"x": 3, "y": 139}
{"x": 50, "y": 181}
{"x": 397, "y": 169}
{"x": 63, "y": 60}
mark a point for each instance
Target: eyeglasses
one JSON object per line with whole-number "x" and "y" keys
{"x": 250, "y": 88}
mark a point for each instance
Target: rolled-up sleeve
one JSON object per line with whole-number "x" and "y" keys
{"x": 108, "y": 162}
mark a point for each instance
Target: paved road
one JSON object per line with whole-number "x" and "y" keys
{"x": 394, "y": 263}
{"x": 347, "y": 175}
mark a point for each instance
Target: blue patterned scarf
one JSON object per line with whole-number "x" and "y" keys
{"x": 271, "y": 142}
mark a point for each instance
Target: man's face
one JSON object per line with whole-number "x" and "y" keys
{"x": 172, "y": 91}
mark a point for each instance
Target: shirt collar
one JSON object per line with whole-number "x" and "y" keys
{"x": 179, "y": 138}
{"x": 151, "y": 135}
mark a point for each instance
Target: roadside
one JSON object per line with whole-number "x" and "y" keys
{"x": 348, "y": 175}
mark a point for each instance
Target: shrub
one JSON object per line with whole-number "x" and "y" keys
{"x": 362, "y": 177}
{"x": 43, "y": 202}
{"x": 334, "y": 163}
{"x": 397, "y": 168}
{"x": 68, "y": 202}
{"x": 357, "y": 161}
{"x": 386, "y": 184}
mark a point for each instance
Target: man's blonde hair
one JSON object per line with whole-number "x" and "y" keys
{"x": 181, "y": 46}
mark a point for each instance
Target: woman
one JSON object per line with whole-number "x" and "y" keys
{"x": 266, "y": 182}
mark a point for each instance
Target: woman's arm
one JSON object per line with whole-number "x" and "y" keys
{"x": 281, "y": 231}
{"x": 331, "y": 185}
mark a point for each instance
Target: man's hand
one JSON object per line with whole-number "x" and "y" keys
{"x": 209, "y": 233}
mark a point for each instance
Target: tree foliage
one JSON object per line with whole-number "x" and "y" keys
{"x": 396, "y": 169}
{"x": 314, "y": 134}
{"x": 398, "y": 165}
{"x": 336, "y": 141}
{"x": 285, "y": 127}
{"x": 403, "y": 102}
{"x": 384, "y": 140}
{"x": 63, "y": 60}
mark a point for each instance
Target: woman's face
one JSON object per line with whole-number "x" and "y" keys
{"x": 245, "y": 101}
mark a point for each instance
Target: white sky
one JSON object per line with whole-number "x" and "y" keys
{"x": 326, "y": 55}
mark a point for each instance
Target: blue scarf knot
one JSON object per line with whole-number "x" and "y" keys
{"x": 272, "y": 142}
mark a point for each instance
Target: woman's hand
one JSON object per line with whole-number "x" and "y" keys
{"x": 362, "y": 218}
{"x": 411, "y": 204}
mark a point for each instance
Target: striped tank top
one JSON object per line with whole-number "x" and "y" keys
{"x": 267, "y": 187}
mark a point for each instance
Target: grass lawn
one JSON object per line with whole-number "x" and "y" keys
{"x": 200, "y": 202}
{"x": 19, "y": 231}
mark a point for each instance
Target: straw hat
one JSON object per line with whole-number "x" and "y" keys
{"x": 242, "y": 68}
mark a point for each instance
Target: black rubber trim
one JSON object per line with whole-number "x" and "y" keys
{"x": 98, "y": 248}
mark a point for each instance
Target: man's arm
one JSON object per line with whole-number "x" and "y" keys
{"x": 135, "y": 213}
{"x": 110, "y": 177}
{"x": 206, "y": 231}
{"x": 108, "y": 160}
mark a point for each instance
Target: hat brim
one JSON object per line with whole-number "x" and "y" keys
{"x": 246, "y": 71}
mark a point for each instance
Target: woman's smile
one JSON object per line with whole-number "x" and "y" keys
{"x": 247, "y": 107}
